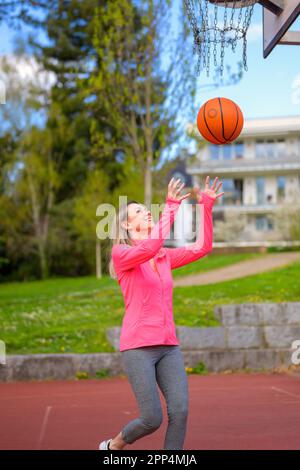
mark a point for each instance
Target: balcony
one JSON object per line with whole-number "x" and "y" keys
{"x": 247, "y": 208}
{"x": 243, "y": 166}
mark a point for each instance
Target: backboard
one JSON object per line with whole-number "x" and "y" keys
{"x": 278, "y": 17}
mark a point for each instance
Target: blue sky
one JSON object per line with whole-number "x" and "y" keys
{"x": 270, "y": 87}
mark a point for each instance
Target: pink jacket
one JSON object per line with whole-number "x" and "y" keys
{"x": 148, "y": 296}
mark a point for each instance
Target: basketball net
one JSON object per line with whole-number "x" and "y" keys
{"x": 217, "y": 24}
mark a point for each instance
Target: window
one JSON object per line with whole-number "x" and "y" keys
{"x": 260, "y": 190}
{"x": 260, "y": 222}
{"x": 238, "y": 150}
{"x": 226, "y": 152}
{"x": 263, "y": 223}
{"x": 280, "y": 148}
{"x": 260, "y": 149}
{"x": 270, "y": 149}
{"x": 214, "y": 152}
{"x": 233, "y": 189}
{"x": 280, "y": 188}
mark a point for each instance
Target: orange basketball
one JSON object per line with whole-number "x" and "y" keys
{"x": 220, "y": 121}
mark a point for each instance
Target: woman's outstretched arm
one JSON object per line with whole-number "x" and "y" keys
{"x": 194, "y": 251}
{"x": 127, "y": 257}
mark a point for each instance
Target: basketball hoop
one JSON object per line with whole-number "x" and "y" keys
{"x": 209, "y": 29}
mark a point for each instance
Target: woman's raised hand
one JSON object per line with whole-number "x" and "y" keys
{"x": 174, "y": 188}
{"x": 209, "y": 191}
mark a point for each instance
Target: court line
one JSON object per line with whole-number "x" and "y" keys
{"x": 285, "y": 391}
{"x": 43, "y": 428}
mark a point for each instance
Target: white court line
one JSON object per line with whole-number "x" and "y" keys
{"x": 285, "y": 391}
{"x": 43, "y": 428}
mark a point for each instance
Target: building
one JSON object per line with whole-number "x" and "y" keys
{"x": 260, "y": 172}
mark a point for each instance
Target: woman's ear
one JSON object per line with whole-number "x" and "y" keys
{"x": 125, "y": 225}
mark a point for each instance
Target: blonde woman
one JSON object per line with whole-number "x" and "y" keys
{"x": 150, "y": 350}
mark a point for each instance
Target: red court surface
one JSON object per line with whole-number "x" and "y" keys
{"x": 236, "y": 411}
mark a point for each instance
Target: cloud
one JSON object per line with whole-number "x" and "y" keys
{"x": 26, "y": 70}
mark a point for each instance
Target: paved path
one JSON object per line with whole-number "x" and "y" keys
{"x": 244, "y": 268}
{"x": 235, "y": 411}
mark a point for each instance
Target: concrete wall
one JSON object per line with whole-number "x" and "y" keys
{"x": 254, "y": 336}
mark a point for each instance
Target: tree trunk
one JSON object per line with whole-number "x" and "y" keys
{"x": 98, "y": 259}
{"x": 43, "y": 259}
{"x": 40, "y": 235}
{"x": 148, "y": 181}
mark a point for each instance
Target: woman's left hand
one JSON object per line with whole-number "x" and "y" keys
{"x": 209, "y": 191}
{"x": 174, "y": 188}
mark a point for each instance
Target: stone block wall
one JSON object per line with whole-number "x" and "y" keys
{"x": 252, "y": 335}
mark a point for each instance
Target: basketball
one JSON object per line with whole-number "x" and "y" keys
{"x": 220, "y": 121}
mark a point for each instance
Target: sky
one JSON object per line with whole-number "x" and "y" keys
{"x": 270, "y": 87}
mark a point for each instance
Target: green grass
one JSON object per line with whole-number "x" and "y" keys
{"x": 214, "y": 261}
{"x": 72, "y": 314}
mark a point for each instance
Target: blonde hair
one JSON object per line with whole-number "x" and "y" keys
{"x": 120, "y": 234}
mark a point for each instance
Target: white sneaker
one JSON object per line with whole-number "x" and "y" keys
{"x": 104, "y": 445}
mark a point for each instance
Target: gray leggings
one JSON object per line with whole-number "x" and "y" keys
{"x": 144, "y": 367}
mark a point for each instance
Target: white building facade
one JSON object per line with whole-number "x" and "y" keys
{"x": 260, "y": 172}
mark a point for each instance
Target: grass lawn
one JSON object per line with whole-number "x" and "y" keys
{"x": 72, "y": 314}
{"x": 214, "y": 261}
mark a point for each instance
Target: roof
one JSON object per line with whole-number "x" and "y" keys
{"x": 268, "y": 126}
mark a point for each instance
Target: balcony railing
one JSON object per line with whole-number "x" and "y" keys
{"x": 244, "y": 165}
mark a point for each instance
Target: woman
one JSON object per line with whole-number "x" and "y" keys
{"x": 150, "y": 350}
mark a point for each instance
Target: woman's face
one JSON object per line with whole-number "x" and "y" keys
{"x": 139, "y": 218}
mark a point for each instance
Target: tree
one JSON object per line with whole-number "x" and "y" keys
{"x": 287, "y": 219}
{"x": 28, "y": 174}
{"x": 12, "y": 214}
{"x": 37, "y": 182}
{"x": 70, "y": 56}
{"x": 231, "y": 229}
{"x": 93, "y": 194}
{"x": 140, "y": 83}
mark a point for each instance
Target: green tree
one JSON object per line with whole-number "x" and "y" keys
{"x": 139, "y": 84}
{"x": 38, "y": 182}
{"x": 70, "y": 56}
{"x": 94, "y": 193}
{"x": 27, "y": 182}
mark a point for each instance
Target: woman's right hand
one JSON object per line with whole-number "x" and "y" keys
{"x": 211, "y": 192}
{"x": 174, "y": 188}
